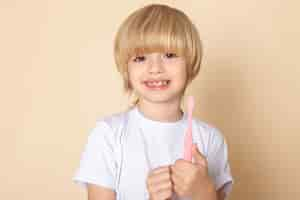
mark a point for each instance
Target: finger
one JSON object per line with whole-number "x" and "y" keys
{"x": 177, "y": 176}
{"x": 160, "y": 190}
{"x": 182, "y": 165}
{"x": 161, "y": 169}
{"x": 165, "y": 194}
{"x": 178, "y": 190}
{"x": 199, "y": 158}
{"x": 158, "y": 176}
{"x": 156, "y": 188}
{"x": 162, "y": 194}
{"x": 166, "y": 185}
{"x": 177, "y": 180}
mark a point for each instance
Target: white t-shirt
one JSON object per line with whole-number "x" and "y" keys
{"x": 122, "y": 148}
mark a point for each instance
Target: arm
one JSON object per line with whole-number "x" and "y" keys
{"x": 100, "y": 193}
{"x": 221, "y": 194}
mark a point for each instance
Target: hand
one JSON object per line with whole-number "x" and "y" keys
{"x": 159, "y": 183}
{"x": 192, "y": 179}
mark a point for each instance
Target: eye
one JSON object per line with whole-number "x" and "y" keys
{"x": 139, "y": 58}
{"x": 171, "y": 55}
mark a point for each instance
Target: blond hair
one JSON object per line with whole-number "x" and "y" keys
{"x": 157, "y": 28}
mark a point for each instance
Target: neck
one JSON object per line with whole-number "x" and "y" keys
{"x": 164, "y": 112}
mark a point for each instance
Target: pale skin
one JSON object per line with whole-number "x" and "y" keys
{"x": 183, "y": 178}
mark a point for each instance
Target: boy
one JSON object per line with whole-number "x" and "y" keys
{"x": 137, "y": 154}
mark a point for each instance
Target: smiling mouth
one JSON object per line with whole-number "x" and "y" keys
{"x": 161, "y": 84}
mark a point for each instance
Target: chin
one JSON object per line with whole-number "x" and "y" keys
{"x": 160, "y": 98}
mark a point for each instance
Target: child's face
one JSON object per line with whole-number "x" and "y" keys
{"x": 158, "y": 77}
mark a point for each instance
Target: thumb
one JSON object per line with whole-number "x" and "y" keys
{"x": 199, "y": 158}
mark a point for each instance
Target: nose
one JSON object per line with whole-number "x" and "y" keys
{"x": 156, "y": 64}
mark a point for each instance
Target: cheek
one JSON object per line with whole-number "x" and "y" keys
{"x": 134, "y": 74}
{"x": 181, "y": 74}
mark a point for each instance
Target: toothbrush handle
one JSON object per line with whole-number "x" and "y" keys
{"x": 188, "y": 145}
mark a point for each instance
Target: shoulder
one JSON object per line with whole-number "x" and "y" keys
{"x": 207, "y": 129}
{"x": 209, "y": 135}
{"x": 113, "y": 121}
{"x": 109, "y": 127}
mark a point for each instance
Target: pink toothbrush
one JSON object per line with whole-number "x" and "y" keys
{"x": 188, "y": 140}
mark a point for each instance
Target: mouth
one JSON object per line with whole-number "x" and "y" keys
{"x": 157, "y": 84}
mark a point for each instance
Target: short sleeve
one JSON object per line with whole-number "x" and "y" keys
{"x": 98, "y": 163}
{"x": 218, "y": 164}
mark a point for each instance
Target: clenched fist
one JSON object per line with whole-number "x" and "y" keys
{"x": 159, "y": 183}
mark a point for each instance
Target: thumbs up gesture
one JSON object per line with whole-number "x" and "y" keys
{"x": 191, "y": 179}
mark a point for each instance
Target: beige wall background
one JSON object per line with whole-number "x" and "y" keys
{"x": 58, "y": 76}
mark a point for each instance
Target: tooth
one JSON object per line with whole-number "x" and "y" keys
{"x": 157, "y": 83}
